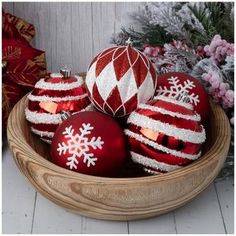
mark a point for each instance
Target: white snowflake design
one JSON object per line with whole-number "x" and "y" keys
{"x": 78, "y": 146}
{"x": 176, "y": 90}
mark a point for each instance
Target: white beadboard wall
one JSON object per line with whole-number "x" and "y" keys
{"x": 72, "y": 33}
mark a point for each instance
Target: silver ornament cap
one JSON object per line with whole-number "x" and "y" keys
{"x": 65, "y": 115}
{"x": 65, "y": 71}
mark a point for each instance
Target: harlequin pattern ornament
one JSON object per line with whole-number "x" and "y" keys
{"x": 83, "y": 144}
{"x": 164, "y": 135}
{"x": 52, "y": 95}
{"x": 120, "y": 78}
{"x": 175, "y": 84}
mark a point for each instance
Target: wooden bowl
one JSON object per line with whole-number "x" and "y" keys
{"x": 116, "y": 198}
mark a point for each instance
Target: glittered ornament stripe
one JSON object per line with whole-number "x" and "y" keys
{"x": 47, "y": 118}
{"x": 174, "y": 101}
{"x": 163, "y": 111}
{"x": 145, "y": 161}
{"x": 160, "y": 147}
{"x": 56, "y": 75}
{"x": 42, "y": 84}
{"x": 42, "y": 118}
{"x": 45, "y": 98}
{"x": 165, "y": 128}
{"x": 42, "y": 133}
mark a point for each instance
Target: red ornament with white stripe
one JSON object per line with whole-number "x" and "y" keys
{"x": 165, "y": 135}
{"x": 175, "y": 84}
{"x": 52, "y": 95}
{"x": 120, "y": 78}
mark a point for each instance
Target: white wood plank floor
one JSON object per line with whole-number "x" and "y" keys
{"x": 26, "y": 211}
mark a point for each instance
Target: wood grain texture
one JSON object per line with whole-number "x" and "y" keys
{"x": 73, "y": 33}
{"x": 198, "y": 217}
{"x": 18, "y": 199}
{"x": 8, "y": 6}
{"x": 116, "y": 198}
{"x": 224, "y": 190}
{"x": 50, "y": 219}
{"x": 164, "y": 224}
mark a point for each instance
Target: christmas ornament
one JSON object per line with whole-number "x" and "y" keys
{"x": 56, "y": 93}
{"x": 175, "y": 84}
{"x": 164, "y": 135}
{"x": 83, "y": 144}
{"x": 120, "y": 78}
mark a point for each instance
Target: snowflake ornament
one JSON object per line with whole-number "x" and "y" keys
{"x": 176, "y": 89}
{"x": 184, "y": 87}
{"x": 79, "y": 145}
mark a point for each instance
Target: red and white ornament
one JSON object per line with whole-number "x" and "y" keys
{"x": 52, "y": 95}
{"x": 165, "y": 135}
{"x": 120, "y": 78}
{"x": 84, "y": 145}
{"x": 175, "y": 84}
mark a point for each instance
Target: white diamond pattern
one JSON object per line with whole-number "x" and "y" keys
{"x": 127, "y": 86}
{"x": 145, "y": 89}
{"x": 91, "y": 78}
{"x": 106, "y": 81}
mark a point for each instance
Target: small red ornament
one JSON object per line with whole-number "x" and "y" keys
{"x": 175, "y": 84}
{"x": 89, "y": 143}
{"x": 57, "y": 93}
{"x": 165, "y": 135}
{"x": 120, "y": 78}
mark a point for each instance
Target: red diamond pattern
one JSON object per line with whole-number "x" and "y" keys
{"x": 118, "y": 61}
{"x": 114, "y": 99}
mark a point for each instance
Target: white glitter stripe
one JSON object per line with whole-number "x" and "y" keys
{"x": 195, "y": 117}
{"x": 174, "y": 101}
{"x": 165, "y": 128}
{"x": 42, "y": 84}
{"x": 42, "y": 133}
{"x": 141, "y": 139}
{"x": 46, "y": 118}
{"x": 42, "y": 118}
{"x": 46, "y": 140}
{"x": 46, "y": 98}
{"x": 56, "y": 75}
{"x": 148, "y": 162}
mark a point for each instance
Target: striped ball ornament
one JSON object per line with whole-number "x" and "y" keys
{"x": 165, "y": 135}
{"x": 52, "y": 96}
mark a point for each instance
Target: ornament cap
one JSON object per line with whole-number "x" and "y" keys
{"x": 65, "y": 71}
{"x": 129, "y": 42}
{"x": 65, "y": 115}
{"x": 183, "y": 97}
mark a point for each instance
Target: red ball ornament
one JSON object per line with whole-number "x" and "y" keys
{"x": 174, "y": 84}
{"x": 165, "y": 135}
{"x": 52, "y": 95}
{"x": 89, "y": 143}
{"x": 120, "y": 78}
